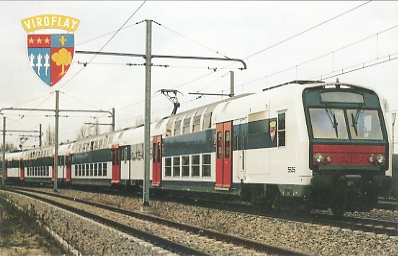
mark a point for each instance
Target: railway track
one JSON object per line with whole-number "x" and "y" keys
{"x": 389, "y": 228}
{"x": 388, "y": 204}
{"x": 200, "y": 234}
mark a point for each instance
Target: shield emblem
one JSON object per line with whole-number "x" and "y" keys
{"x": 50, "y": 55}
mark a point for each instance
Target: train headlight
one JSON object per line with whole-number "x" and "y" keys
{"x": 329, "y": 158}
{"x": 380, "y": 159}
{"x": 318, "y": 158}
{"x": 371, "y": 159}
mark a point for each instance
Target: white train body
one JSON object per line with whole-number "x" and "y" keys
{"x": 303, "y": 140}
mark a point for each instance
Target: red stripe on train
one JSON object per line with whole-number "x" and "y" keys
{"x": 349, "y": 154}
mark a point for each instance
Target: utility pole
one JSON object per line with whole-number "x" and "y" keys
{"x": 147, "y": 124}
{"x": 148, "y": 64}
{"x": 4, "y": 150}
{"x": 57, "y": 110}
{"x": 56, "y": 140}
{"x": 232, "y": 84}
{"x": 394, "y": 116}
{"x": 40, "y": 134}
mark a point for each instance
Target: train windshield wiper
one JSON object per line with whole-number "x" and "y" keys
{"x": 332, "y": 117}
{"x": 355, "y": 121}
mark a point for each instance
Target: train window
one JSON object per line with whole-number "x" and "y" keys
{"x": 154, "y": 153}
{"x": 125, "y": 155}
{"x": 169, "y": 126}
{"x": 207, "y": 120}
{"x": 196, "y": 123}
{"x": 99, "y": 169}
{"x": 227, "y": 143}
{"x": 186, "y": 126}
{"x": 104, "y": 170}
{"x": 133, "y": 152}
{"x": 364, "y": 124}
{"x": 206, "y": 165}
{"x": 195, "y": 165}
{"x": 328, "y": 123}
{"x": 95, "y": 169}
{"x": 185, "y": 166}
{"x": 177, "y": 128}
{"x": 91, "y": 170}
{"x": 140, "y": 150}
{"x": 176, "y": 166}
{"x": 76, "y": 170}
{"x": 281, "y": 130}
{"x": 219, "y": 145}
{"x": 167, "y": 166}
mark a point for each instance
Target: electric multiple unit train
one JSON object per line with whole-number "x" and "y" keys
{"x": 306, "y": 143}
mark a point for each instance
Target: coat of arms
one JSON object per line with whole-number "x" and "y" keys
{"x": 50, "y": 55}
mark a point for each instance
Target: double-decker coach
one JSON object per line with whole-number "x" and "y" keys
{"x": 303, "y": 141}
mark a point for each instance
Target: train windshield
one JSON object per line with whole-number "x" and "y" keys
{"x": 339, "y": 123}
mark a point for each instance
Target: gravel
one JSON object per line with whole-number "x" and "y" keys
{"x": 305, "y": 237}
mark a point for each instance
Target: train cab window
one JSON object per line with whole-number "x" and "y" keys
{"x": 364, "y": 124}
{"x": 167, "y": 166}
{"x": 195, "y": 165}
{"x": 176, "y": 166}
{"x": 281, "y": 130}
{"x": 206, "y": 165}
{"x": 328, "y": 123}
{"x": 185, "y": 166}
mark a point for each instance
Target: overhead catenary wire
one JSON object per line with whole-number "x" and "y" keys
{"x": 217, "y": 52}
{"x": 110, "y": 39}
{"x": 322, "y": 55}
{"x": 306, "y": 30}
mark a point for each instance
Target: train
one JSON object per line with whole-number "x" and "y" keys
{"x": 307, "y": 144}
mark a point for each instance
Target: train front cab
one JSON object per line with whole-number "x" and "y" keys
{"x": 349, "y": 148}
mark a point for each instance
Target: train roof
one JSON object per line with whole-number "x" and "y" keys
{"x": 317, "y": 83}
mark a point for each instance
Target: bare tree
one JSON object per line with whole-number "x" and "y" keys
{"x": 50, "y": 136}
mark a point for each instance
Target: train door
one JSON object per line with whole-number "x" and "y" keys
{"x": 157, "y": 161}
{"x": 22, "y": 169}
{"x": 68, "y": 163}
{"x": 115, "y": 164}
{"x": 224, "y": 155}
{"x": 52, "y": 167}
{"x": 5, "y": 169}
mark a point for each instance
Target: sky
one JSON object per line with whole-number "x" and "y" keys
{"x": 354, "y": 41}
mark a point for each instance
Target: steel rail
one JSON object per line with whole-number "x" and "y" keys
{"x": 151, "y": 238}
{"x": 247, "y": 243}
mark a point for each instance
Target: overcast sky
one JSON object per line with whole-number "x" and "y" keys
{"x": 275, "y": 40}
